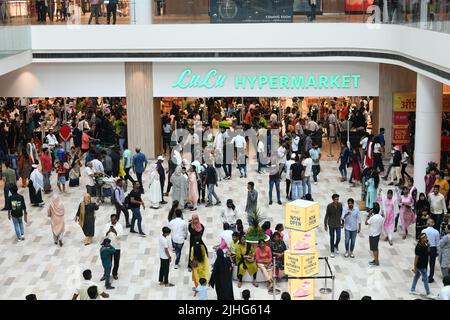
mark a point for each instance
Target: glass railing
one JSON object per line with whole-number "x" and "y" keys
{"x": 426, "y": 14}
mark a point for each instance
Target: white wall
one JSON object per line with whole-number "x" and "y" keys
{"x": 423, "y": 45}
{"x": 65, "y": 80}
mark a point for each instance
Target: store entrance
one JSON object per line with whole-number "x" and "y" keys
{"x": 329, "y": 120}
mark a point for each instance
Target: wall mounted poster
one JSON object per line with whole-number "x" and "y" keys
{"x": 251, "y": 11}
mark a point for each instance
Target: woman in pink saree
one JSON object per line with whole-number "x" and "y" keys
{"x": 407, "y": 214}
{"x": 193, "y": 188}
{"x": 56, "y": 214}
{"x": 390, "y": 208}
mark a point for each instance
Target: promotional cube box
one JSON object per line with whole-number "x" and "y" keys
{"x": 301, "y": 289}
{"x": 302, "y": 242}
{"x": 301, "y": 215}
{"x": 301, "y": 265}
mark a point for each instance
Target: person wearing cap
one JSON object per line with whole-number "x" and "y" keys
{"x": 333, "y": 223}
{"x": 106, "y": 255}
{"x": 162, "y": 176}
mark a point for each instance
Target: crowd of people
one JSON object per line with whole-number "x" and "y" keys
{"x": 86, "y": 138}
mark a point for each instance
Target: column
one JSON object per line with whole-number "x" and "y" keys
{"x": 428, "y": 127}
{"x": 141, "y": 11}
{"x": 141, "y": 112}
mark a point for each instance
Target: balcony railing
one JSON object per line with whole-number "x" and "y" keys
{"x": 426, "y": 14}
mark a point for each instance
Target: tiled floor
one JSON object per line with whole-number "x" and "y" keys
{"x": 38, "y": 266}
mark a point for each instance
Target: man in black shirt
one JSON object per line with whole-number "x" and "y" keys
{"x": 333, "y": 223}
{"x": 211, "y": 181}
{"x": 135, "y": 202}
{"x": 296, "y": 175}
{"x": 420, "y": 265}
{"x": 16, "y": 210}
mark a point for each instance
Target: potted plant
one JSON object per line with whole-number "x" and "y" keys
{"x": 255, "y": 232}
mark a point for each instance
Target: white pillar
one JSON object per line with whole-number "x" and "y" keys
{"x": 428, "y": 127}
{"x": 141, "y": 11}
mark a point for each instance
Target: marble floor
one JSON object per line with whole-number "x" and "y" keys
{"x": 37, "y": 266}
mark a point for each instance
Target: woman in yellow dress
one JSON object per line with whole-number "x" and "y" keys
{"x": 245, "y": 258}
{"x": 199, "y": 262}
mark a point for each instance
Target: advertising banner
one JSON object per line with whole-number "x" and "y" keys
{"x": 301, "y": 215}
{"x": 301, "y": 289}
{"x": 400, "y": 135}
{"x": 404, "y": 102}
{"x": 251, "y": 11}
{"x": 301, "y": 265}
{"x": 302, "y": 241}
{"x": 400, "y": 119}
{"x": 265, "y": 79}
{"x": 303, "y": 7}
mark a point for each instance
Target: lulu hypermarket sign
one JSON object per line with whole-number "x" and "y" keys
{"x": 269, "y": 79}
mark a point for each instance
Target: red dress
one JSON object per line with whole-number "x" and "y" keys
{"x": 369, "y": 155}
{"x": 356, "y": 168}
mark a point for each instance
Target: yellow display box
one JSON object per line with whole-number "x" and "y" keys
{"x": 301, "y": 265}
{"x": 301, "y": 215}
{"x": 302, "y": 242}
{"x": 301, "y": 289}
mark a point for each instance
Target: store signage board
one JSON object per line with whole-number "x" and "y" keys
{"x": 269, "y": 79}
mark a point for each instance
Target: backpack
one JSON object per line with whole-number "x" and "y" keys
{"x": 126, "y": 202}
{"x": 113, "y": 196}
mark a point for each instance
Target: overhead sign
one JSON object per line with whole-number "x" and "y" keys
{"x": 268, "y": 79}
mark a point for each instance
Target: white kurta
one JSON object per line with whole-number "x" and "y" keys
{"x": 155, "y": 189}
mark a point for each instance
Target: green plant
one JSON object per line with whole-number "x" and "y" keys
{"x": 255, "y": 233}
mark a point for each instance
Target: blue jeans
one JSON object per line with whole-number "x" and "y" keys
{"x": 277, "y": 186}
{"x": 297, "y": 186}
{"x": 343, "y": 170}
{"x": 107, "y": 275}
{"x": 306, "y": 183}
{"x": 417, "y": 275}
{"x": 178, "y": 247}
{"x": 212, "y": 193}
{"x": 18, "y": 227}
{"x": 334, "y": 243}
{"x": 136, "y": 216}
{"x": 350, "y": 238}
{"x": 242, "y": 169}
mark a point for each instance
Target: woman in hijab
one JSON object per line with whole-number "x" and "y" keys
{"x": 193, "y": 188}
{"x": 196, "y": 230}
{"x": 423, "y": 213}
{"x": 35, "y": 187}
{"x": 86, "y": 218}
{"x": 56, "y": 214}
{"x": 222, "y": 276}
{"x": 179, "y": 185}
{"x": 155, "y": 187}
{"x": 198, "y": 259}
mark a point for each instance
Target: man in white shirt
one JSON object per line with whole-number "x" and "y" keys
{"x": 375, "y": 221}
{"x": 307, "y": 163}
{"x": 241, "y": 145}
{"x": 90, "y": 179}
{"x": 437, "y": 206}
{"x": 97, "y": 166}
{"x": 288, "y": 178}
{"x": 165, "y": 258}
{"x": 433, "y": 243}
{"x": 179, "y": 232}
{"x": 294, "y": 144}
{"x": 81, "y": 292}
{"x": 363, "y": 143}
{"x": 260, "y": 155}
{"x": 119, "y": 196}
{"x": 312, "y": 126}
{"x": 113, "y": 231}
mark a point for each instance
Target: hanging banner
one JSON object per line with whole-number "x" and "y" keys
{"x": 400, "y": 119}
{"x": 301, "y": 215}
{"x": 400, "y": 135}
{"x": 406, "y": 102}
{"x": 251, "y": 11}
{"x": 301, "y": 289}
